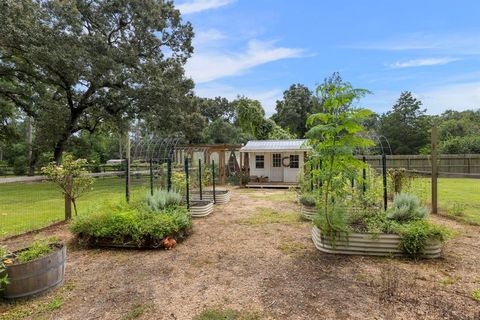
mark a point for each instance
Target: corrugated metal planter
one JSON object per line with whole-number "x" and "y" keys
{"x": 369, "y": 244}
{"x": 308, "y": 212}
{"x": 201, "y": 208}
{"x": 221, "y": 196}
{"x": 37, "y": 276}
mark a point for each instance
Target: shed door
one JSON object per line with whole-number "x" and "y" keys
{"x": 276, "y": 172}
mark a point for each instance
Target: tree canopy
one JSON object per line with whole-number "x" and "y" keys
{"x": 73, "y": 65}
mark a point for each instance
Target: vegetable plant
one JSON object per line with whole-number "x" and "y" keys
{"x": 3, "y": 275}
{"x": 406, "y": 207}
{"x": 334, "y": 135}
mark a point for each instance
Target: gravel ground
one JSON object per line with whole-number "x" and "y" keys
{"x": 255, "y": 255}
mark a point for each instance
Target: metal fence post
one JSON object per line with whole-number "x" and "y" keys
{"x": 200, "y": 177}
{"x": 434, "y": 171}
{"x": 169, "y": 174}
{"x": 364, "y": 175}
{"x": 127, "y": 170}
{"x": 384, "y": 171}
{"x": 151, "y": 177}
{"x": 213, "y": 180}
{"x": 187, "y": 187}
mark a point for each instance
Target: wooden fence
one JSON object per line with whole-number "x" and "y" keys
{"x": 464, "y": 165}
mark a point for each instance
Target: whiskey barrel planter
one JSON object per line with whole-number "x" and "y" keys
{"x": 308, "y": 212}
{"x": 369, "y": 244}
{"x": 200, "y": 208}
{"x": 221, "y": 196}
{"x": 37, "y": 276}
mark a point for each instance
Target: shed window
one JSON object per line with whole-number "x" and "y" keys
{"x": 276, "y": 160}
{"x": 294, "y": 161}
{"x": 259, "y": 161}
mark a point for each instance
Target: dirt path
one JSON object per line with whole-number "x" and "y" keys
{"x": 254, "y": 254}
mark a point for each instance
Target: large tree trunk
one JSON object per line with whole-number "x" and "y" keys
{"x": 59, "y": 148}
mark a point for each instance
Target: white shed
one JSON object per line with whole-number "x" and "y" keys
{"x": 274, "y": 162}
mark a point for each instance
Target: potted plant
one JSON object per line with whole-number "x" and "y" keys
{"x": 33, "y": 270}
{"x": 308, "y": 206}
{"x": 350, "y": 222}
{"x": 152, "y": 222}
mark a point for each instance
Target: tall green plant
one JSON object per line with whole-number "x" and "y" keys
{"x": 334, "y": 136}
{"x": 71, "y": 177}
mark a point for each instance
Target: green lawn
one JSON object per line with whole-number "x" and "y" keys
{"x": 29, "y": 206}
{"x": 454, "y": 193}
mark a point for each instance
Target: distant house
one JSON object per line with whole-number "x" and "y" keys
{"x": 274, "y": 162}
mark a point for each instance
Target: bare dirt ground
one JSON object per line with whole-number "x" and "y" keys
{"x": 255, "y": 255}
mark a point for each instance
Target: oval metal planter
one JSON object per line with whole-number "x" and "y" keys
{"x": 200, "y": 208}
{"x": 369, "y": 244}
{"x": 308, "y": 212}
{"x": 221, "y": 196}
{"x": 37, "y": 276}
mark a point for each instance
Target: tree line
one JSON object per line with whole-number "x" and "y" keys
{"x": 77, "y": 76}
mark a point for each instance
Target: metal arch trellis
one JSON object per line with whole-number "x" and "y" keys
{"x": 157, "y": 150}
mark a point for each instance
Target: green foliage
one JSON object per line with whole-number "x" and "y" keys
{"x": 162, "y": 199}
{"x": 308, "y": 199}
{"x": 20, "y": 166}
{"x": 292, "y": 111}
{"x": 39, "y": 248}
{"x": 457, "y": 209}
{"x": 460, "y": 145}
{"x": 250, "y": 115}
{"x": 406, "y": 207}
{"x": 179, "y": 182}
{"x": 334, "y": 137}
{"x": 4, "y": 253}
{"x": 226, "y": 314}
{"x": 70, "y": 177}
{"x": 132, "y": 223}
{"x": 406, "y": 126}
{"x": 476, "y": 294}
{"x": 415, "y": 236}
{"x": 222, "y": 131}
{"x": 335, "y": 225}
{"x": 99, "y": 62}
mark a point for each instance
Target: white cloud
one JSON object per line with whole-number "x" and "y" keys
{"x": 422, "y": 62}
{"x": 209, "y": 35}
{"x": 195, "y": 6}
{"x": 208, "y": 66}
{"x": 267, "y": 97}
{"x": 450, "y": 43}
{"x": 459, "y": 96}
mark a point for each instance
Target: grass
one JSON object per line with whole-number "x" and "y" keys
{"x": 137, "y": 311}
{"x": 283, "y": 196}
{"x": 264, "y": 215}
{"x": 476, "y": 294}
{"x": 30, "y": 206}
{"x": 226, "y": 314}
{"x": 454, "y": 193}
{"x": 292, "y": 248}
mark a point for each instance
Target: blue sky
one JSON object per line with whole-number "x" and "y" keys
{"x": 258, "y": 48}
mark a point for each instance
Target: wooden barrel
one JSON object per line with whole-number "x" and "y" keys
{"x": 37, "y": 276}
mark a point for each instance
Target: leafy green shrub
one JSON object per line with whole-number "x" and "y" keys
{"x": 308, "y": 199}
{"x": 415, "y": 236}
{"x": 179, "y": 183}
{"x": 406, "y": 207}
{"x": 39, "y": 248}
{"x": 20, "y": 166}
{"x": 3, "y": 277}
{"x": 336, "y": 225}
{"x": 135, "y": 223}
{"x": 162, "y": 199}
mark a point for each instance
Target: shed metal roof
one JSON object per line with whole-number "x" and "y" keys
{"x": 275, "y": 145}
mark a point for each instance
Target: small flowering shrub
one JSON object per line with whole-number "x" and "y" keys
{"x": 71, "y": 177}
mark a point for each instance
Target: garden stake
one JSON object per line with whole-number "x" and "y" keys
{"x": 213, "y": 180}
{"x": 384, "y": 166}
{"x": 364, "y": 175}
{"x": 200, "y": 177}
{"x": 187, "y": 186}
{"x": 151, "y": 177}
{"x": 169, "y": 174}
